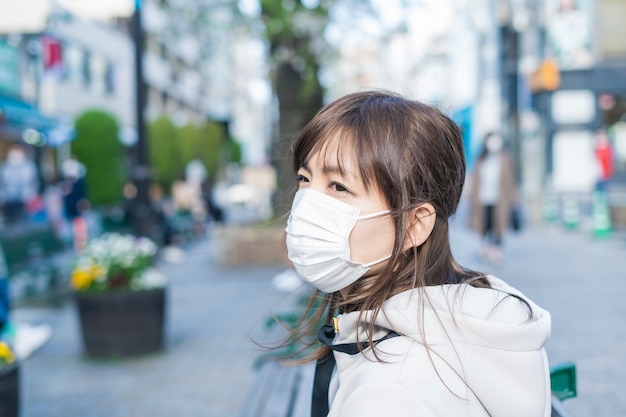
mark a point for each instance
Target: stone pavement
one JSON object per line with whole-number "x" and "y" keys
{"x": 205, "y": 369}
{"x": 213, "y": 311}
{"x": 581, "y": 282}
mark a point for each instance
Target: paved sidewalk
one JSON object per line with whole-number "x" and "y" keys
{"x": 581, "y": 281}
{"x": 206, "y": 368}
{"x": 213, "y": 312}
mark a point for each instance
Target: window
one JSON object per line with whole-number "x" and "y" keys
{"x": 109, "y": 76}
{"x": 73, "y": 59}
{"x": 86, "y": 69}
{"x": 611, "y": 28}
{"x": 98, "y": 70}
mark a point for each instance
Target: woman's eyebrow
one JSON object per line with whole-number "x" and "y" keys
{"x": 332, "y": 169}
{"x": 335, "y": 169}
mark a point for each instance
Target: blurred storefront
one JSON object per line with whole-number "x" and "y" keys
{"x": 564, "y": 85}
{"x": 586, "y": 39}
{"x": 21, "y": 121}
{"x": 16, "y": 111}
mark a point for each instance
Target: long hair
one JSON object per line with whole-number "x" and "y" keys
{"x": 413, "y": 154}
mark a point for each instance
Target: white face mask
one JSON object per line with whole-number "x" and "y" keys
{"x": 318, "y": 240}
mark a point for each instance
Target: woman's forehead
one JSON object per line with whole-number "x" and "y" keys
{"x": 335, "y": 152}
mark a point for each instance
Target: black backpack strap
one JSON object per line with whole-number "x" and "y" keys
{"x": 325, "y": 365}
{"x": 323, "y": 372}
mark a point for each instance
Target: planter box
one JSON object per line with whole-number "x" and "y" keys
{"x": 122, "y": 323}
{"x": 10, "y": 391}
{"x": 253, "y": 245}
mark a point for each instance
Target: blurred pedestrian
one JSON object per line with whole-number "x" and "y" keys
{"x": 408, "y": 331}
{"x": 604, "y": 158}
{"x": 75, "y": 200}
{"x": 187, "y": 199}
{"x": 215, "y": 212}
{"x": 18, "y": 184}
{"x": 74, "y": 187}
{"x": 493, "y": 196}
{"x": 163, "y": 211}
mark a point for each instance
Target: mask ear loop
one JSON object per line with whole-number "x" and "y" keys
{"x": 383, "y": 259}
{"x": 382, "y": 213}
{"x": 372, "y": 215}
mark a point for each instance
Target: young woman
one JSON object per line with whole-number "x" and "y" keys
{"x": 408, "y": 331}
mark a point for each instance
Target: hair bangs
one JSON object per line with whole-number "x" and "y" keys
{"x": 342, "y": 139}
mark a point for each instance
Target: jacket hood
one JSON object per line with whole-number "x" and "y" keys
{"x": 494, "y": 318}
{"x": 484, "y": 334}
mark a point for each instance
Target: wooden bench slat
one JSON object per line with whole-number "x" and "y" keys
{"x": 304, "y": 391}
{"x": 279, "y": 401}
{"x": 272, "y": 392}
{"x": 259, "y": 389}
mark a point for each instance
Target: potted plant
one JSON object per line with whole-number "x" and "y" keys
{"x": 9, "y": 382}
{"x": 120, "y": 296}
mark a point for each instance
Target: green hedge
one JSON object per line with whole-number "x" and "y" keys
{"x": 165, "y": 154}
{"x": 171, "y": 149}
{"x": 98, "y": 147}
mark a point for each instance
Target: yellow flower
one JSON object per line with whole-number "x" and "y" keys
{"x": 81, "y": 278}
{"x": 6, "y": 355}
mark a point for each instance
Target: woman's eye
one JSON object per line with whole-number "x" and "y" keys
{"x": 301, "y": 179}
{"x": 338, "y": 187}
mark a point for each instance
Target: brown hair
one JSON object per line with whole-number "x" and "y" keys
{"x": 413, "y": 154}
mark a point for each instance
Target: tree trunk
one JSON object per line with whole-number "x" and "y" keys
{"x": 295, "y": 112}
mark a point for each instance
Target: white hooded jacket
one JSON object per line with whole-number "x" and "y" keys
{"x": 485, "y": 357}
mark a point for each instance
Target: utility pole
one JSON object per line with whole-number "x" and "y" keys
{"x": 141, "y": 175}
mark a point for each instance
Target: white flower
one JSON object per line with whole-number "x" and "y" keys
{"x": 153, "y": 278}
{"x": 125, "y": 254}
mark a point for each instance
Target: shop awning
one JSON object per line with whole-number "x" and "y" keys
{"x": 17, "y": 117}
{"x": 17, "y": 114}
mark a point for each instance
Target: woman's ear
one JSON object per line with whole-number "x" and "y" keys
{"x": 421, "y": 224}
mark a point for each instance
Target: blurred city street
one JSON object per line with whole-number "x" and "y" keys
{"x": 160, "y": 118}
{"x": 213, "y": 312}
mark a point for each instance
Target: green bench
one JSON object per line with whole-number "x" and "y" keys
{"x": 31, "y": 254}
{"x": 280, "y": 391}
{"x": 563, "y": 386}
{"x": 285, "y": 391}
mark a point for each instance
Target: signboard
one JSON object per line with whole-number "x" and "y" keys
{"x": 573, "y": 161}
{"x": 573, "y": 107}
{"x": 570, "y": 32}
{"x": 9, "y": 69}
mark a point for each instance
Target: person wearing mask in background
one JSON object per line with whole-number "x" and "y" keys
{"x": 18, "y": 184}
{"x": 493, "y": 196}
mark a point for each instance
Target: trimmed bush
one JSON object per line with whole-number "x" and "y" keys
{"x": 171, "y": 149}
{"x": 212, "y": 136}
{"x": 98, "y": 147}
{"x": 165, "y": 152}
